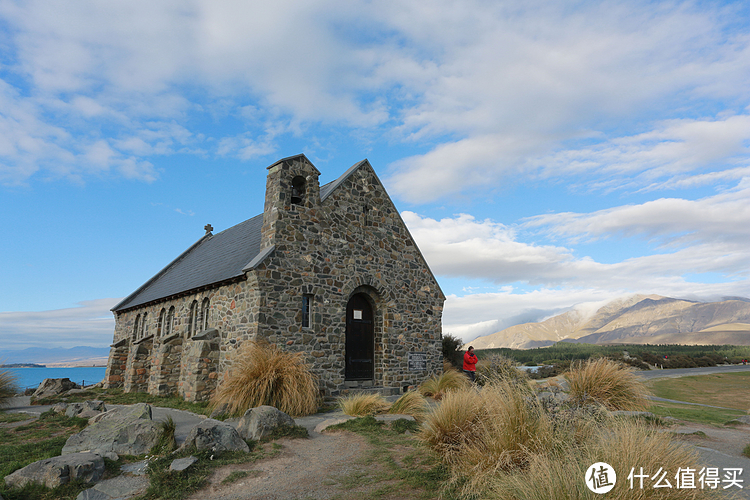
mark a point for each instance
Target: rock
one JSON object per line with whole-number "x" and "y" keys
{"x": 60, "y": 407}
{"x": 73, "y": 392}
{"x": 743, "y": 420}
{"x": 53, "y": 387}
{"x": 56, "y": 471}
{"x": 331, "y": 421}
{"x": 76, "y": 409}
{"x": 106, "y": 454}
{"x": 136, "y": 468}
{"x": 181, "y": 464}
{"x": 126, "y": 431}
{"x": 214, "y": 435}
{"x": 119, "y": 487}
{"x": 220, "y": 410}
{"x": 260, "y": 422}
{"x": 88, "y": 414}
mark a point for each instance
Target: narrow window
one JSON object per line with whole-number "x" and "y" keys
{"x": 160, "y": 324}
{"x": 193, "y": 321}
{"x": 205, "y": 312}
{"x": 168, "y": 324}
{"x": 144, "y": 326}
{"x": 307, "y": 311}
{"x": 135, "y": 327}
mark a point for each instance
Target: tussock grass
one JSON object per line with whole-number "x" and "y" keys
{"x": 498, "y": 367}
{"x": 608, "y": 383}
{"x": 166, "y": 442}
{"x": 438, "y": 385}
{"x": 363, "y": 404}
{"x": 453, "y": 422}
{"x": 263, "y": 374}
{"x": 478, "y": 433}
{"x": 411, "y": 403}
{"x": 8, "y": 387}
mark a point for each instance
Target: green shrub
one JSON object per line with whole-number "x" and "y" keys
{"x": 451, "y": 352}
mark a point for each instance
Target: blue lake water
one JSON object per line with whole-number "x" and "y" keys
{"x": 32, "y": 377}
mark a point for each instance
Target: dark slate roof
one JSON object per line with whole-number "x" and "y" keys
{"x": 215, "y": 258}
{"x": 212, "y": 259}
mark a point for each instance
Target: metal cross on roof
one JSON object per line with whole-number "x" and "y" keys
{"x": 208, "y": 228}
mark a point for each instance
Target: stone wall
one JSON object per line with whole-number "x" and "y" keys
{"x": 354, "y": 240}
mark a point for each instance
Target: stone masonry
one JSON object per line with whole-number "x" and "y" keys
{"x": 326, "y": 248}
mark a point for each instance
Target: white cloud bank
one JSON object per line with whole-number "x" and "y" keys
{"x": 89, "y": 324}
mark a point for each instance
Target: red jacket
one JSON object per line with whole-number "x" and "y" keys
{"x": 470, "y": 362}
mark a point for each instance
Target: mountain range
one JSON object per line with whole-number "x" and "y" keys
{"x": 639, "y": 319}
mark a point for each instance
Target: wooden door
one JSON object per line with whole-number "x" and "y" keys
{"x": 360, "y": 339}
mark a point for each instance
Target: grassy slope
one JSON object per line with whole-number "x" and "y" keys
{"x": 729, "y": 390}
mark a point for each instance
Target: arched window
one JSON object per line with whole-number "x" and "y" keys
{"x": 136, "y": 325}
{"x": 144, "y": 326}
{"x": 160, "y": 324}
{"x": 168, "y": 322}
{"x": 193, "y": 321}
{"x": 205, "y": 313}
{"x": 298, "y": 190}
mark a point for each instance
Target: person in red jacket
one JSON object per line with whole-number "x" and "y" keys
{"x": 470, "y": 364}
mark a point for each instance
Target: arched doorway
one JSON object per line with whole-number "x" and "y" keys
{"x": 360, "y": 339}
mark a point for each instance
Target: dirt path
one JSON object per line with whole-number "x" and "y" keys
{"x": 304, "y": 469}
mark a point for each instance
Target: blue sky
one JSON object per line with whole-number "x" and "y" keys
{"x": 545, "y": 155}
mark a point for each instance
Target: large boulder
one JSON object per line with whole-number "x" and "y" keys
{"x": 56, "y": 471}
{"x": 77, "y": 409}
{"x": 260, "y": 422}
{"x": 214, "y": 435}
{"x": 126, "y": 431}
{"x": 53, "y": 386}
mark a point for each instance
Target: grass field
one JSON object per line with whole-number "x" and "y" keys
{"x": 728, "y": 390}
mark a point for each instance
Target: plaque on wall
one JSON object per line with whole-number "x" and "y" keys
{"x": 417, "y": 361}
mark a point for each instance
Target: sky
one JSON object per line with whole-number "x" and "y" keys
{"x": 545, "y": 155}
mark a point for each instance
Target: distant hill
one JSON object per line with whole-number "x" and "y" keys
{"x": 640, "y": 319}
{"x": 50, "y": 357}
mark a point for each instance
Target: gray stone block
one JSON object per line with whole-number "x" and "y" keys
{"x": 215, "y": 436}
{"x": 181, "y": 464}
{"x": 117, "y": 488}
{"x": 260, "y": 422}
{"x": 56, "y": 471}
{"x": 125, "y": 431}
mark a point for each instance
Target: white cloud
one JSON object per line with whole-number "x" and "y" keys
{"x": 91, "y": 323}
{"x": 490, "y": 88}
{"x": 722, "y": 221}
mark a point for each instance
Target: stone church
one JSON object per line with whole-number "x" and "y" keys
{"x": 331, "y": 271}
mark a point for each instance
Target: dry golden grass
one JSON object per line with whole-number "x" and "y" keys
{"x": 411, "y": 403}
{"x": 481, "y": 432}
{"x": 263, "y": 374}
{"x": 607, "y": 383}
{"x": 8, "y": 386}
{"x": 437, "y": 385}
{"x": 362, "y": 404}
{"x": 560, "y": 472}
{"x": 451, "y": 423}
